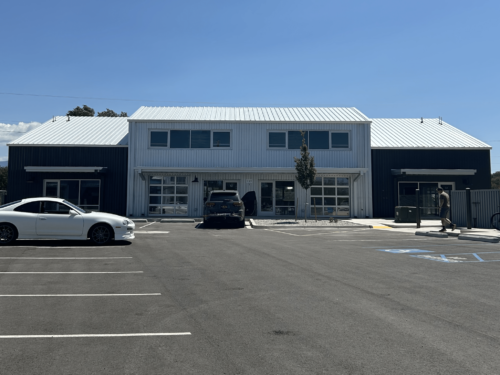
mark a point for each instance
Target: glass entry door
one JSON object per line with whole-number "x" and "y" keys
{"x": 429, "y": 197}
{"x": 277, "y": 198}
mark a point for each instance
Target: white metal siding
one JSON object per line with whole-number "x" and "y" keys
{"x": 248, "y": 148}
{"x": 360, "y": 207}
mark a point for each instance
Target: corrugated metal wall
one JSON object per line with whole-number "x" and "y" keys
{"x": 249, "y": 149}
{"x": 113, "y": 182}
{"x": 484, "y": 203}
{"x": 246, "y": 182}
{"x": 385, "y": 184}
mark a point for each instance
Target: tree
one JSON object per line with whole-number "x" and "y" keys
{"x": 3, "y": 177}
{"x": 110, "y": 113}
{"x": 85, "y": 111}
{"x": 306, "y": 172}
{"x": 495, "y": 180}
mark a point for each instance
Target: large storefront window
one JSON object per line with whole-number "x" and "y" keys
{"x": 429, "y": 198}
{"x": 168, "y": 195}
{"x": 83, "y": 193}
{"x": 330, "y": 196}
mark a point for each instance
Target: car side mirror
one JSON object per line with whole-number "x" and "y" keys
{"x": 73, "y": 212}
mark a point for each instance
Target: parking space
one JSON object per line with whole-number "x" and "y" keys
{"x": 69, "y": 290}
{"x": 229, "y": 300}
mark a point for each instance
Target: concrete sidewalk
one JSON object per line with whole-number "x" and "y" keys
{"x": 426, "y": 225}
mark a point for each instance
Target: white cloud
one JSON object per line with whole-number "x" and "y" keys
{"x": 9, "y": 132}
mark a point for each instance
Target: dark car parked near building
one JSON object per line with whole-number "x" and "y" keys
{"x": 224, "y": 207}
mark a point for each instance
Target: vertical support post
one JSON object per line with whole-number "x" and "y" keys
{"x": 296, "y": 209}
{"x": 469, "y": 208}
{"x": 418, "y": 208}
{"x": 315, "y": 213}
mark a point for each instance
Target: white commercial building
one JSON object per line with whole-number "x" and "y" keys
{"x": 179, "y": 154}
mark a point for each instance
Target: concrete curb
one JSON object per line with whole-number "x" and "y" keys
{"x": 432, "y": 234}
{"x": 255, "y": 226}
{"x": 405, "y": 226}
{"x": 472, "y": 237}
{"x": 177, "y": 221}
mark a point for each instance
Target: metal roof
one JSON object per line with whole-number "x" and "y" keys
{"x": 250, "y": 114}
{"x": 85, "y": 131}
{"x": 412, "y": 133}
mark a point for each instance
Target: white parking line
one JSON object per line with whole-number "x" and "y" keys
{"x": 80, "y": 295}
{"x": 67, "y": 258}
{"x": 77, "y": 272}
{"x": 149, "y": 232}
{"x": 94, "y": 335}
{"x": 147, "y": 225}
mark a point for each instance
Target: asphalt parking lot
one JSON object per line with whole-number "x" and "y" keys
{"x": 184, "y": 299}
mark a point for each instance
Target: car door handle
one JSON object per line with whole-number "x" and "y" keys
{"x": 42, "y": 218}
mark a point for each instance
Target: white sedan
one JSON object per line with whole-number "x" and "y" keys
{"x": 55, "y": 218}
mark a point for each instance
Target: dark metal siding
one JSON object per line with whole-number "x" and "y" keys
{"x": 385, "y": 184}
{"x": 113, "y": 182}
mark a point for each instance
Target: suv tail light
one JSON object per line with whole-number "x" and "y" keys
{"x": 237, "y": 204}
{"x": 210, "y": 204}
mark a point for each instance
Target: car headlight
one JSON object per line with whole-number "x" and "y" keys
{"x": 125, "y": 222}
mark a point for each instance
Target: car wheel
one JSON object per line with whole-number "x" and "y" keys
{"x": 206, "y": 223}
{"x": 8, "y": 233}
{"x": 101, "y": 234}
{"x": 241, "y": 224}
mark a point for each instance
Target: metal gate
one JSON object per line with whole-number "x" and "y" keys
{"x": 484, "y": 204}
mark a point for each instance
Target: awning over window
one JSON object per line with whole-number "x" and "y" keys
{"x": 66, "y": 169}
{"x": 434, "y": 172}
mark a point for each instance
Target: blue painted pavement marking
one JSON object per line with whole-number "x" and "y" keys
{"x": 404, "y": 251}
{"x": 462, "y": 257}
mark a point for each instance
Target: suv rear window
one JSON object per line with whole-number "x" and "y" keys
{"x": 224, "y": 196}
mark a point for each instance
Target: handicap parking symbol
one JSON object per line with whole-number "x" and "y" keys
{"x": 404, "y": 251}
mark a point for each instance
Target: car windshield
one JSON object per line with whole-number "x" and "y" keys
{"x": 75, "y": 207}
{"x": 8, "y": 204}
{"x": 224, "y": 197}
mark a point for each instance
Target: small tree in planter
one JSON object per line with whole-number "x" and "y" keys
{"x": 306, "y": 172}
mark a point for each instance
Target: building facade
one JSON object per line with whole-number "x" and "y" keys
{"x": 178, "y": 155}
{"x": 81, "y": 159}
{"x": 424, "y": 154}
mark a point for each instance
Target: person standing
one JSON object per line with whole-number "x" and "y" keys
{"x": 444, "y": 209}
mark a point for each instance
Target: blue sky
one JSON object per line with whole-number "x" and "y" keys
{"x": 387, "y": 58}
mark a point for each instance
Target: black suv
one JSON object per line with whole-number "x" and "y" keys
{"x": 224, "y": 206}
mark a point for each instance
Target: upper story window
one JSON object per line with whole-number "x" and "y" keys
{"x": 340, "y": 140}
{"x": 190, "y": 139}
{"x": 315, "y": 140}
{"x": 277, "y": 140}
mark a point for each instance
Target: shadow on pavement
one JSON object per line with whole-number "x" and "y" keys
{"x": 218, "y": 226}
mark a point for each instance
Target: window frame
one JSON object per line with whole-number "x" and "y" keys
{"x": 349, "y": 148}
{"x": 158, "y": 131}
{"x": 79, "y": 189}
{"x": 277, "y": 131}
{"x": 212, "y": 131}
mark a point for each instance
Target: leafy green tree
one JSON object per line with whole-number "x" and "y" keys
{"x": 3, "y": 177}
{"x": 495, "y": 180}
{"x": 306, "y": 171}
{"x": 110, "y": 113}
{"x": 85, "y": 111}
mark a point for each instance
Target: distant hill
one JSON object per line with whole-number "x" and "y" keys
{"x": 4, "y": 163}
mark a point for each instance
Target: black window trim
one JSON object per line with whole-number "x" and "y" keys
{"x": 212, "y": 147}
